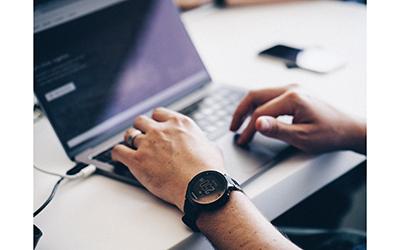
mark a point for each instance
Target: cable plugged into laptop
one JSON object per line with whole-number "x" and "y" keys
{"x": 80, "y": 170}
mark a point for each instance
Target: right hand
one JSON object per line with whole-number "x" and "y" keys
{"x": 170, "y": 150}
{"x": 317, "y": 127}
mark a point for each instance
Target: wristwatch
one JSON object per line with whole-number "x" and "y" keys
{"x": 207, "y": 191}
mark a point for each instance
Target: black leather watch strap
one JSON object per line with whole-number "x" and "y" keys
{"x": 191, "y": 215}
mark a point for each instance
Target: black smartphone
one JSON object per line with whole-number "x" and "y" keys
{"x": 314, "y": 59}
{"x": 288, "y": 54}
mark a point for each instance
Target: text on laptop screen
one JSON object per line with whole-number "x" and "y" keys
{"x": 97, "y": 71}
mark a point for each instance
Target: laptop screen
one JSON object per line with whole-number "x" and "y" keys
{"x": 99, "y": 63}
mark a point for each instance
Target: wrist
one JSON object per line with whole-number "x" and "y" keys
{"x": 180, "y": 204}
{"x": 207, "y": 219}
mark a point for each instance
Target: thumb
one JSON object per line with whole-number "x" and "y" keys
{"x": 271, "y": 127}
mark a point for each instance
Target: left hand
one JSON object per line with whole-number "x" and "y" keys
{"x": 171, "y": 150}
{"x": 317, "y": 127}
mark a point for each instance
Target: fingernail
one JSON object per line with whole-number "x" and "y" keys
{"x": 265, "y": 123}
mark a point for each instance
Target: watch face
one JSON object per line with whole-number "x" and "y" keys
{"x": 208, "y": 187}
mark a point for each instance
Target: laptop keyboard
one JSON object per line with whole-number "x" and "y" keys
{"x": 212, "y": 114}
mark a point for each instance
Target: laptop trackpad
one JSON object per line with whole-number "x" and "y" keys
{"x": 243, "y": 163}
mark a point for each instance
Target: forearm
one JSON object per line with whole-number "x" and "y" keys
{"x": 239, "y": 225}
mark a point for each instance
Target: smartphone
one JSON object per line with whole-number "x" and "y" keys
{"x": 314, "y": 59}
{"x": 286, "y": 53}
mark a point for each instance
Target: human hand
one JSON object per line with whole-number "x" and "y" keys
{"x": 317, "y": 127}
{"x": 171, "y": 150}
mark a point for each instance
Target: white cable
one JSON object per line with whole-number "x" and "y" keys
{"x": 85, "y": 172}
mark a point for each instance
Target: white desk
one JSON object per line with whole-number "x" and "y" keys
{"x": 99, "y": 213}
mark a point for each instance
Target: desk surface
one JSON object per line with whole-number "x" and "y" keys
{"x": 99, "y": 213}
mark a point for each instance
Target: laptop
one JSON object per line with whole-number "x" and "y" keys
{"x": 100, "y": 63}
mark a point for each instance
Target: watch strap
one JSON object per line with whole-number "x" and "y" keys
{"x": 193, "y": 211}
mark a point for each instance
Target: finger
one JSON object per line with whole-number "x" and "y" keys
{"x": 127, "y": 156}
{"x": 245, "y": 107}
{"x": 144, "y": 123}
{"x": 163, "y": 114}
{"x": 124, "y": 154}
{"x": 276, "y": 107}
{"x": 133, "y": 138}
{"x": 251, "y": 101}
{"x": 271, "y": 127}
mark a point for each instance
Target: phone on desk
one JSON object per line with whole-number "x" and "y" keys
{"x": 315, "y": 59}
